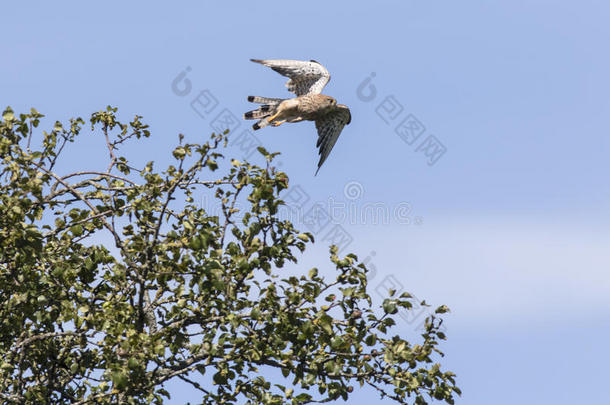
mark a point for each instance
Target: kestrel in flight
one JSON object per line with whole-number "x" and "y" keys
{"x": 307, "y": 79}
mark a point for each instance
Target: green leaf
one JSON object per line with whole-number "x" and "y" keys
{"x": 326, "y": 322}
{"x": 313, "y": 273}
{"x": 77, "y": 230}
{"x": 119, "y": 380}
{"x": 389, "y": 306}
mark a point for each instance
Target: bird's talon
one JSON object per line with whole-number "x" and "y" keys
{"x": 274, "y": 116}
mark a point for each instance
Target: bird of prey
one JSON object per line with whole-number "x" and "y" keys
{"x": 306, "y": 81}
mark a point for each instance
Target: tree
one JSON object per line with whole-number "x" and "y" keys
{"x": 179, "y": 294}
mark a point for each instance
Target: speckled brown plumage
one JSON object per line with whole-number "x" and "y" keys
{"x": 306, "y": 80}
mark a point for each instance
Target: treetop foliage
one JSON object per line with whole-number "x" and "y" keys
{"x": 179, "y": 294}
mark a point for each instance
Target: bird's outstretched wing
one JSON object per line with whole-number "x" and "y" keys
{"x": 329, "y": 128}
{"x": 305, "y": 77}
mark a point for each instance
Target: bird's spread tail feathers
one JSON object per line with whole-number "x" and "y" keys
{"x": 264, "y": 100}
{"x": 262, "y": 111}
{"x": 268, "y": 108}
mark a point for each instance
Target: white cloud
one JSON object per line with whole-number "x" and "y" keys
{"x": 491, "y": 270}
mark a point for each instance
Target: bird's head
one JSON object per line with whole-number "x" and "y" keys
{"x": 331, "y": 101}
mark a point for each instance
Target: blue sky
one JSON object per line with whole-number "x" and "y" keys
{"x": 510, "y": 227}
